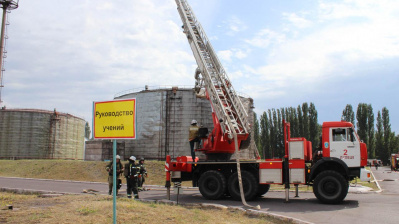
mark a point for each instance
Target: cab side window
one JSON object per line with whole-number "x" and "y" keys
{"x": 351, "y": 135}
{"x": 339, "y": 135}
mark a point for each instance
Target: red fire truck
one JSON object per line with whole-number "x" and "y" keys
{"x": 341, "y": 158}
{"x": 395, "y": 162}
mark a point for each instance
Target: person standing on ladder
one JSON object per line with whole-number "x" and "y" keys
{"x": 193, "y": 137}
{"x": 131, "y": 172}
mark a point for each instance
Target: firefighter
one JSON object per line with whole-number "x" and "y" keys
{"x": 143, "y": 174}
{"x": 132, "y": 171}
{"x": 110, "y": 170}
{"x": 193, "y": 137}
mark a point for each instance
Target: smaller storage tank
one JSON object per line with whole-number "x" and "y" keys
{"x": 40, "y": 134}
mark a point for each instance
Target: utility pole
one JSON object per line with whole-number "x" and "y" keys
{"x": 5, "y": 5}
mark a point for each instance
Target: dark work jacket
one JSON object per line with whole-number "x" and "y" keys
{"x": 119, "y": 168}
{"x": 132, "y": 170}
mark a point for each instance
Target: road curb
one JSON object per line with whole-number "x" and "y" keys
{"x": 31, "y": 191}
{"x": 71, "y": 181}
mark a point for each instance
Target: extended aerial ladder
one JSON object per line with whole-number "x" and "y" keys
{"x": 210, "y": 74}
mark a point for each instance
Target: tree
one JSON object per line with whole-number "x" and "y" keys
{"x": 314, "y": 127}
{"x": 361, "y": 116}
{"x": 264, "y": 135}
{"x": 348, "y": 114}
{"x": 300, "y": 121}
{"x": 379, "y": 137}
{"x": 271, "y": 137}
{"x": 272, "y": 134}
{"x": 305, "y": 115}
{"x": 365, "y": 126}
{"x": 256, "y": 133}
{"x": 387, "y": 150}
{"x": 294, "y": 123}
{"x": 370, "y": 132}
{"x": 275, "y": 135}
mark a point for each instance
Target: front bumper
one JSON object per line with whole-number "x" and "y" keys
{"x": 365, "y": 175}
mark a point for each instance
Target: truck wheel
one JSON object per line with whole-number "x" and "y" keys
{"x": 330, "y": 187}
{"x": 262, "y": 189}
{"x": 249, "y": 184}
{"x": 212, "y": 184}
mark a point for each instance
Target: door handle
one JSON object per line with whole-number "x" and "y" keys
{"x": 351, "y": 146}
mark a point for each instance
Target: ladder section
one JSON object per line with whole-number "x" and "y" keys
{"x": 225, "y": 101}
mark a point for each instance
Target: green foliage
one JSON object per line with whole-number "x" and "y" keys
{"x": 264, "y": 135}
{"x": 370, "y": 132}
{"x": 256, "y": 134}
{"x": 361, "y": 116}
{"x": 314, "y": 127}
{"x": 365, "y": 126}
{"x": 379, "y": 137}
{"x": 348, "y": 114}
{"x": 303, "y": 120}
{"x": 386, "y": 142}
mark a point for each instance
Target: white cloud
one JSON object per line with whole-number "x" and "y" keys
{"x": 331, "y": 47}
{"x": 266, "y": 37}
{"x": 225, "y": 55}
{"x": 56, "y": 60}
{"x": 297, "y": 21}
{"x": 229, "y": 55}
{"x": 235, "y": 25}
{"x": 340, "y": 40}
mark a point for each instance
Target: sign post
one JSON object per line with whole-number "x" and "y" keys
{"x": 114, "y": 120}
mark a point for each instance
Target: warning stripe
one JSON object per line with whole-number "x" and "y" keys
{"x": 166, "y": 166}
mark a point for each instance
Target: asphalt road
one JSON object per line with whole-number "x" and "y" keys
{"x": 357, "y": 208}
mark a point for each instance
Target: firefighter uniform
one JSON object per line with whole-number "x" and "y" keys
{"x": 143, "y": 174}
{"x": 132, "y": 171}
{"x": 193, "y": 137}
{"x": 119, "y": 171}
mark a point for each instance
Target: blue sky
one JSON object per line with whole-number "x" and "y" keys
{"x": 67, "y": 54}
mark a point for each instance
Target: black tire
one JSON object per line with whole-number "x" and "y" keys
{"x": 262, "y": 189}
{"x": 330, "y": 187}
{"x": 249, "y": 184}
{"x": 212, "y": 184}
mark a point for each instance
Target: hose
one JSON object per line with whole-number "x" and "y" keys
{"x": 244, "y": 202}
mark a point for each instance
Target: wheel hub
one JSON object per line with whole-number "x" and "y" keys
{"x": 330, "y": 187}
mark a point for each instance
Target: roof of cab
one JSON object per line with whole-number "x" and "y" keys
{"x": 330, "y": 124}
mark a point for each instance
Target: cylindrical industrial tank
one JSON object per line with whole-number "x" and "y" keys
{"x": 163, "y": 120}
{"x": 40, "y": 134}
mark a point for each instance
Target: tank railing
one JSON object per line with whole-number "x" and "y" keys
{"x": 165, "y": 87}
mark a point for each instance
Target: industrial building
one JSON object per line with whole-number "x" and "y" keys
{"x": 163, "y": 116}
{"x": 41, "y": 134}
